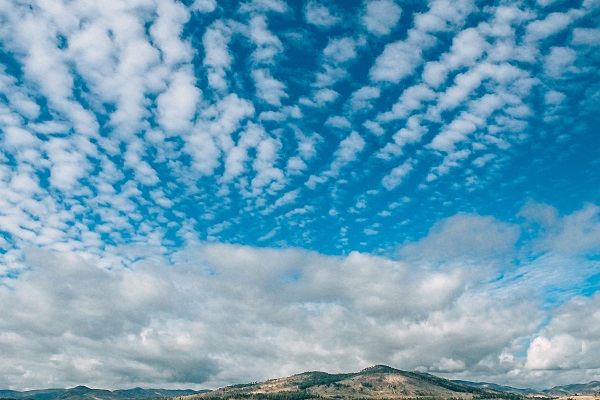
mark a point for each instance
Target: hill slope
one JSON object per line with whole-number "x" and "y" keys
{"x": 569, "y": 390}
{"x": 499, "y": 388}
{"x": 376, "y": 382}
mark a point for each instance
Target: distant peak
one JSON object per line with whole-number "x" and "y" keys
{"x": 81, "y": 387}
{"x": 379, "y": 369}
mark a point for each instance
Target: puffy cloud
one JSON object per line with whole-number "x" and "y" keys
{"x": 360, "y": 101}
{"x": 262, "y": 6}
{"x": 395, "y": 177}
{"x": 566, "y": 343}
{"x": 412, "y": 99}
{"x": 411, "y": 133}
{"x": 177, "y": 105}
{"x": 268, "y": 88}
{"x": 217, "y": 57}
{"x": 340, "y": 50}
{"x": 586, "y": 36}
{"x": 267, "y": 44}
{"x": 559, "y": 61}
{"x": 381, "y": 16}
{"x": 320, "y": 15}
{"x": 401, "y": 58}
{"x": 205, "y": 6}
{"x": 276, "y": 297}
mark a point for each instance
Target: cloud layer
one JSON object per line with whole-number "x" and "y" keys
{"x": 214, "y": 314}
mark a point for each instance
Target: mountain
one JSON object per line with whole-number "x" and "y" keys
{"x": 85, "y": 393}
{"x": 592, "y": 388}
{"x": 378, "y": 382}
{"x": 499, "y": 388}
{"x": 45, "y": 394}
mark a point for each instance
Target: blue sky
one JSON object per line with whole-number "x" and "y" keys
{"x": 198, "y": 193}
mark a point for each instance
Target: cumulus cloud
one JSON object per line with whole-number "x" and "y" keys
{"x": 177, "y": 105}
{"x": 320, "y": 15}
{"x": 568, "y": 343}
{"x": 268, "y": 88}
{"x": 381, "y": 16}
{"x": 397, "y": 175}
{"x": 276, "y": 297}
{"x": 401, "y": 58}
{"x": 217, "y": 57}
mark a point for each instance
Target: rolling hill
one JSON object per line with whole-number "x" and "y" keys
{"x": 592, "y": 388}
{"x": 378, "y": 382}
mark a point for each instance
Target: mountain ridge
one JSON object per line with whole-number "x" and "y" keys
{"x": 375, "y": 382}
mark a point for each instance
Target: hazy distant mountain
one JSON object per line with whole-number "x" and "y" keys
{"x": 45, "y": 394}
{"x": 499, "y": 388}
{"x": 376, "y": 382}
{"x": 84, "y": 392}
{"x": 569, "y": 390}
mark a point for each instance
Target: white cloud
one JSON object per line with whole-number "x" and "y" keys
{"x": 435, "y": 73}
{"x": 338, "y": 122}
{"x": 347, "y": 297}
{"x": 444, "y": 15}
{"x": 323, "y": 96}
{"x": 108, "y": 140}
{"x": 166, "y": 31}
{"x": 401, "y": 58}
{"x": 361, "y": 100}
{"x": 268, "y": 88}
{"x": 319, "y": 15}
{"x": 568, "y": 343}
{"x": 381, "y": 16}
{"x": 278, "y": 6}
{"x": 412, "y": 99}
{"x": 267, "y": 173}
{"x": 204, "y": 6}
{"x": 575, "y": 233}
{"x": 467, "y": 47}
{"x": 212, "y": 132}
{"x": 559, "y": 61}
{"x": 586, "y": 36}
{"x": 395, "y": 177}
{"x": 346, "y": 153}
{"x": 455, "y": 132}
{"x": 217, "y": 58}
{"x": 465, "y": 237}
{"x": 68, "y": 165}
{"x": 551, "y": 25}
{"x": 411, "y": 133}
{"x": 267, "y": 44}
{"x": 340, "y": 50}
{"x": 177, "y": 105}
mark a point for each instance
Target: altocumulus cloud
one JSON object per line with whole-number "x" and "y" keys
{"x": 199, "y": 193}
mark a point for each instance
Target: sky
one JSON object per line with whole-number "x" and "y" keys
{"x": 197, "y": 193}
